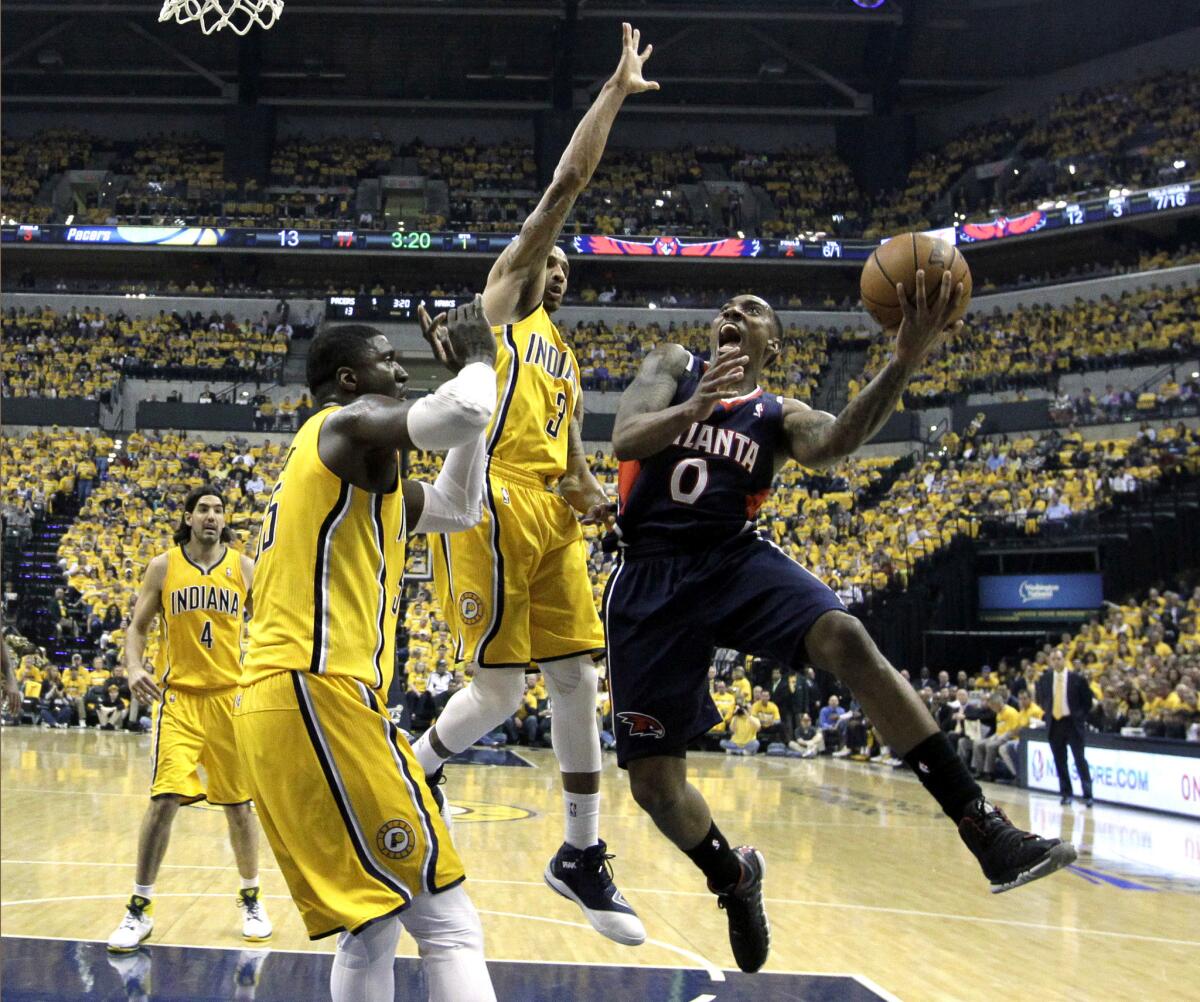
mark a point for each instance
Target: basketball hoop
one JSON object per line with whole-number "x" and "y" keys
{"x": 237, "y": 15}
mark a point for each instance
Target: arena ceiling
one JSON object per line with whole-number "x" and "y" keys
{"x": 816, "y": 59}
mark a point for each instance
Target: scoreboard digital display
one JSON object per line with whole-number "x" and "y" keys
{"x": 1116, "y": 206}
{"x": 396, "y": 308}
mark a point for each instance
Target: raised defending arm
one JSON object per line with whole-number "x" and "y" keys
{"x": 517, "y": 279}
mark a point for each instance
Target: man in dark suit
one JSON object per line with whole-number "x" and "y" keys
{"x": 1066, "y": 699}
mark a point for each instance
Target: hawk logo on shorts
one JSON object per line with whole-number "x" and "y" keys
{"x": 470, "y": 608}
{"x": 396, "y": 839}
{"x": 642, "y": 725}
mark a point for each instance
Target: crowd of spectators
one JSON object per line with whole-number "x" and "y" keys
{"x": 84, "y": 352}
{"x": 129, "y": 495}
{"x": 1122, "y": 136}
{"x": 1171, "y": 398}
{"x": 1132, "y": 135}
{"x": 1033, "y": 344}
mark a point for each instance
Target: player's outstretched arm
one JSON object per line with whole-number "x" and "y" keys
{"x": 517, "y": 279}
{"x": 149, "y": 601}
{"x": 817, "y": 438}
{"x": 453, "y": 415}
{"x": 646, "y": 423}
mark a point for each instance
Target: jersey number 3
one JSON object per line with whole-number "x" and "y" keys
{"x": 694, "y": 473}
{"x": 555, "y": 423}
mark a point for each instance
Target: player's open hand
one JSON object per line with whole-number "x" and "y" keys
{"x": 434, "y": 330}
{"x": 142, "y": 686}
{"x": 628, "y": 76}
{"x": 923, "y": 326}
{"x": 469, "y": 336}
{"x": 719, "y": 381}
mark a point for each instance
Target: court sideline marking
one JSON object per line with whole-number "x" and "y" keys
{"x": 803, "y": 902}
{"x": 714, "y": 973}
{"x": 862, "y": 979}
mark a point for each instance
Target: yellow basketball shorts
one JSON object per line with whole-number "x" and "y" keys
{"x": 342, "y": 800}
{"x": 196, "y": 729}
{"x": 515, "y": 588}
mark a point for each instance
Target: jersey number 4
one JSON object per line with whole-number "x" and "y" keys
{"x": 206, "y": 634}
{"x": 694, "y": 474}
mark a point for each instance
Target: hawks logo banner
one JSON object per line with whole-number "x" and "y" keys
{"x": 642, "y": 725}
{"x": 666, "y": 247}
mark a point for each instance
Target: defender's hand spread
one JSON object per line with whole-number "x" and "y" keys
{"x": 433, "y": 330}
{"x": 628, "y": 75}
{"x": 470, "y": 336}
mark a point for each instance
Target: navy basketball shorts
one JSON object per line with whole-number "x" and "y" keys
{"x": 664, "y": 615}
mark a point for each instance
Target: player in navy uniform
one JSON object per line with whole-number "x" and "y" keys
{"x": 699, "y": 445}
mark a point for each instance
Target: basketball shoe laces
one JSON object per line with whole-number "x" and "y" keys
{"x": 248, "y": 899}
{"x": 135, "y": 911}
{"x": 997, "y": 842}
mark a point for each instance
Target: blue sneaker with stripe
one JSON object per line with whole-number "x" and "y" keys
{"x": 585, "y": 877}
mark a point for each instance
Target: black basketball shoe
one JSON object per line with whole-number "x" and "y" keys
{"x": 585, "y": 877}
{"x": 749, "y": 930}
{"x": 1009, "y": 856}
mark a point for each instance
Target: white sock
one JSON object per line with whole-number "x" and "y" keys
{"x": 581, "y": 812}
{"x": 248, "y": 882}
{"x": 144, "y": 890}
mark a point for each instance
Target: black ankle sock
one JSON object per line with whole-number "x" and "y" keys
{"x": 943, "y": 774}
{"x": 716, "y": 860}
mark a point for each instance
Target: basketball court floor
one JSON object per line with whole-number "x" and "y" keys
{"x": 871, "y": 895}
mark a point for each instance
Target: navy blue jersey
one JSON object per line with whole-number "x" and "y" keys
{"x": 707, "y": 485}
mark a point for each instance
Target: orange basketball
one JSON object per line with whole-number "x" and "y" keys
{"x": 898, "y": 260}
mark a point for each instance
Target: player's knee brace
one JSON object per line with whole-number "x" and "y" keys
{"x": 571, "y": 684}
{"x": 362, "y": 966}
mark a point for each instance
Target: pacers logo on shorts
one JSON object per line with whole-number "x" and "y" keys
{"x": 470, "y": 608}
{"x": 396, "y": 839}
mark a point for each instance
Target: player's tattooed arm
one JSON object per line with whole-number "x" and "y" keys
{"x": 517, "y": 280}
{"x": 646, "y": 421}
{"x": 149, "y": 602}
{"x": 817, "y": 439}
{"x": 579, "y": 485}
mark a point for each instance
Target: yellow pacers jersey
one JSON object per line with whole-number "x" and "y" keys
{"x": 537, "y": 389}
{"x": 328, "y": 573}
{"x": 203, "y": 610}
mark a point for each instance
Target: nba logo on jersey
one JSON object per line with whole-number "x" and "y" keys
{"x": 758, "y": 409}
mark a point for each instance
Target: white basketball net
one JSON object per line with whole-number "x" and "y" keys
{"x": 237, "y": 15}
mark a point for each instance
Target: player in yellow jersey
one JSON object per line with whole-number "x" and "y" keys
{"x": 356, "y": 829}
{"x": 515, "y": 590}
{"x": 199, "y": 590}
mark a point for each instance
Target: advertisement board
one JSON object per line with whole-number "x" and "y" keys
{"x": 1160, "y": 782}
{"x": 1039, "y": 596}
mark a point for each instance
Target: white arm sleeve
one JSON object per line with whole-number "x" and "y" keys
{"x": 454, "y": 501}
{"x": 458, "y": 411}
